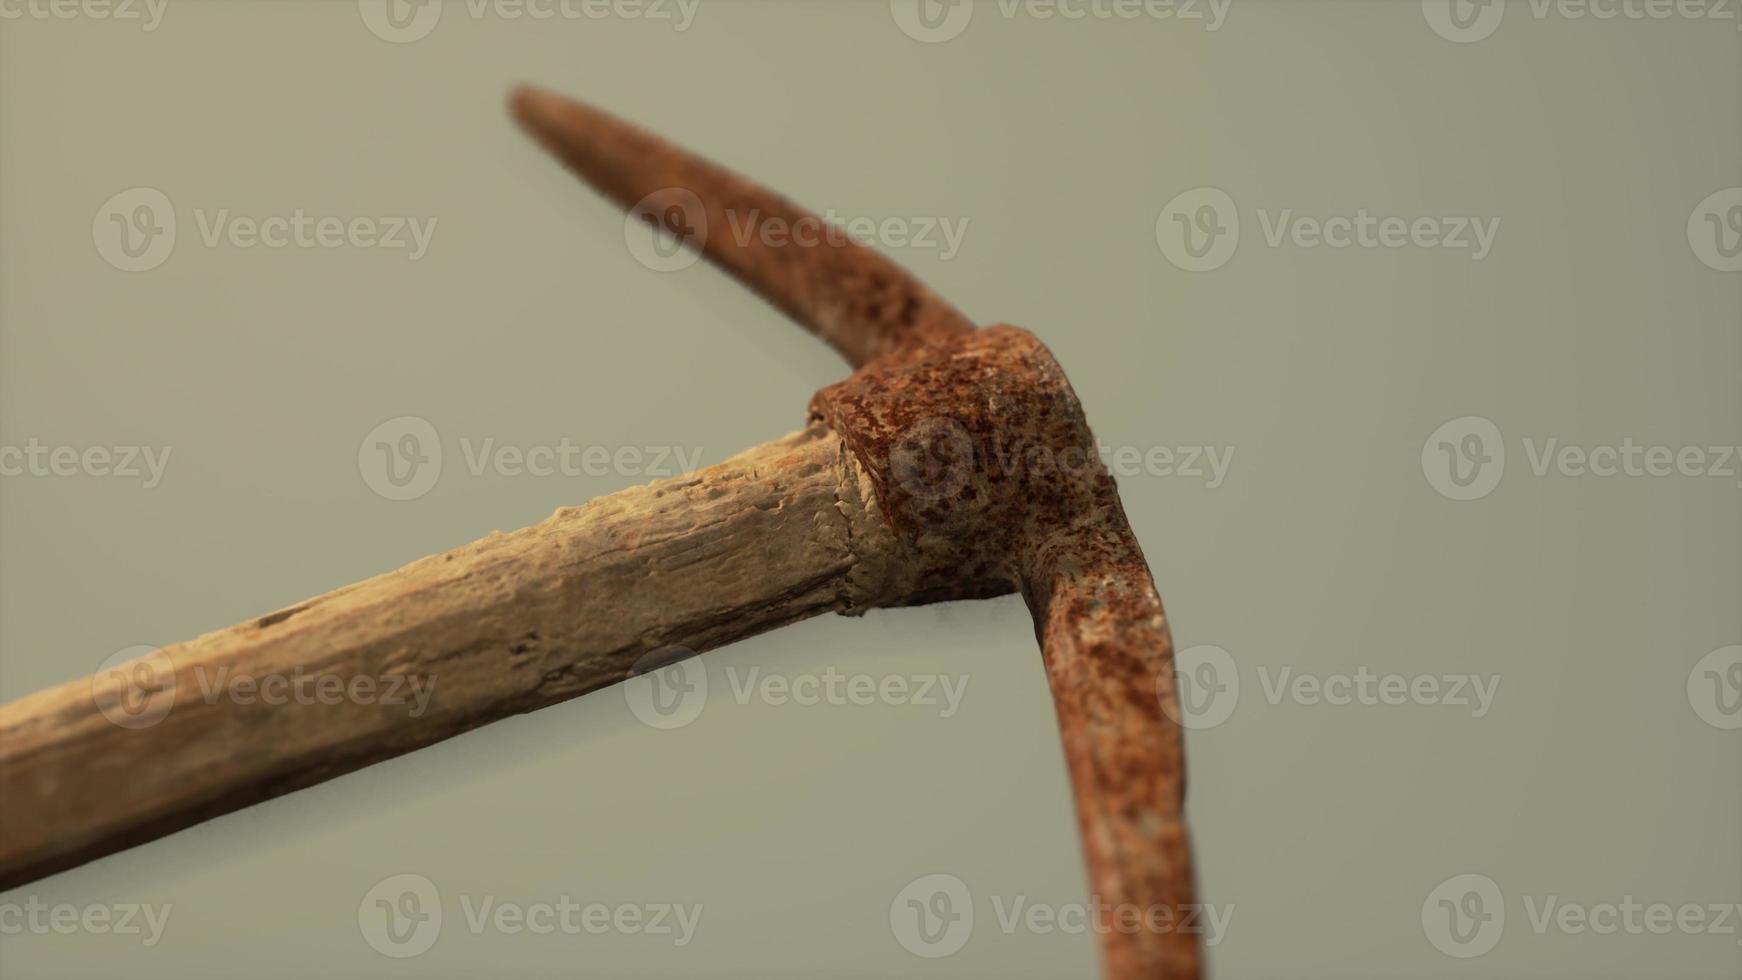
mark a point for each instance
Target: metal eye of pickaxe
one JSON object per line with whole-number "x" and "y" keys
{"x": 954, "y": 463}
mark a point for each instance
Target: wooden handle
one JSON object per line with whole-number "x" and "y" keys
{"x": 504, "y": 625}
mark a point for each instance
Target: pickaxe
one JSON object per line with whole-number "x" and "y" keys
{"x": 954, "y": 463}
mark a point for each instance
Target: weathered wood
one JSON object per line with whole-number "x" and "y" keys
{"x": 504, "y": 625}
{"x": 964, "y": 468}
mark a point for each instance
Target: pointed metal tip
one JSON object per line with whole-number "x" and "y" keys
{"x": 855, "y": 299}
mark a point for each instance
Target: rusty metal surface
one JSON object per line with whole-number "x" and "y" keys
{"x": 862, "y": 304}
{"x": 987, "y": 471}
{"x": 979, "y": 457}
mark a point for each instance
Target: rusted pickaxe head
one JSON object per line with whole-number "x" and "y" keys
{"x": 978, "y": 455}
{"x": 953, "y": 463}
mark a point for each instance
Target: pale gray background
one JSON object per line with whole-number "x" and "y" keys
{"x": 1326, "y": 549}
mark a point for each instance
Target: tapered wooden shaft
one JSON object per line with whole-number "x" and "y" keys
{"x": 504, "y": 625}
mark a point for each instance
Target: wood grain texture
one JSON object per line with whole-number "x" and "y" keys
{"x": 507, "y": 624}
{"x": 964, "y": 469}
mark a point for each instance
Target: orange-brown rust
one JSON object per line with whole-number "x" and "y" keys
{"x": 986, "y": 470}
{"x": 862, "y": 304}
{"x": 954, "y": 464}
{"x": 977, "y": 453}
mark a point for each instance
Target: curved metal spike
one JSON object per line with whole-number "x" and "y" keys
{"x": 861, "y": 303}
